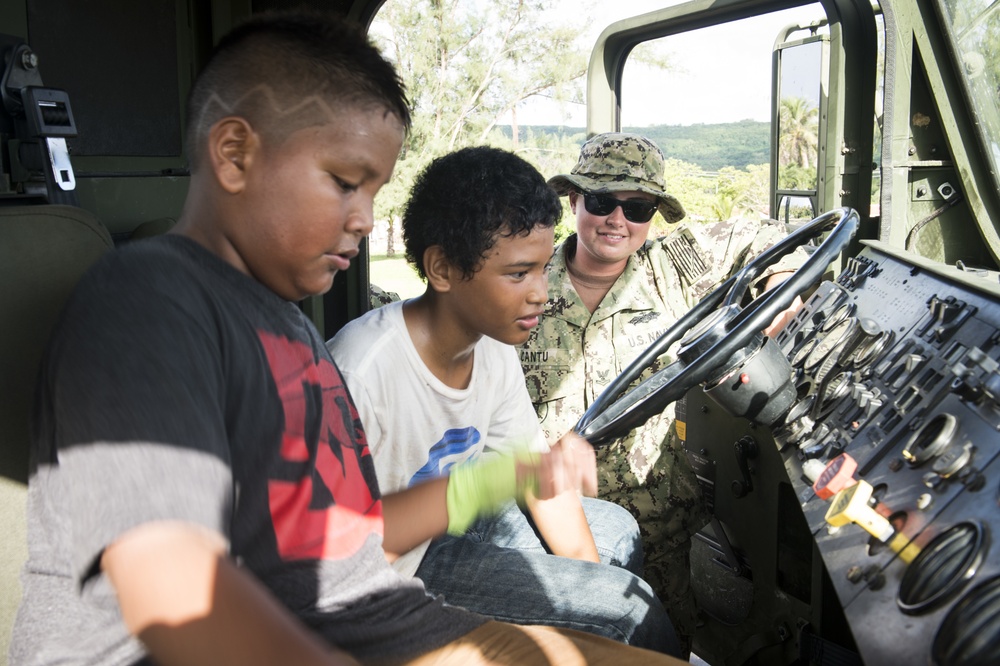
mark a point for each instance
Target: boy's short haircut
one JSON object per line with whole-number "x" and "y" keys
{"x": 464, "y": 200}
{"x": 283, "y": 71}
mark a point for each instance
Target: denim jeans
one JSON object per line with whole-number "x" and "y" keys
{"x": 501, "y": 568}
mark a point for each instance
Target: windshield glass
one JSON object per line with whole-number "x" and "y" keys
{"x": 974, "y": 27}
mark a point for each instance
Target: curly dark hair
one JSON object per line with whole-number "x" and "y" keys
{"x": 465, "y": 200}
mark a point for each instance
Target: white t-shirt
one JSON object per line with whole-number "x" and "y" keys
{"x": 417, "y": 427}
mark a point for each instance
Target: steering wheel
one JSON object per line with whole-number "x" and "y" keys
{"x": 718, "y": 334}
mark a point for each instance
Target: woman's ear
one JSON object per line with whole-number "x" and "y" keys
{"x": 573, "y": 198}
{"x": 438, "y": 269}
{"x": 232, "y": 147}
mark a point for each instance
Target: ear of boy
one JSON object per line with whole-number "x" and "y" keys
{"x": 439, "y": 270}
{"x": 233, "y": 145}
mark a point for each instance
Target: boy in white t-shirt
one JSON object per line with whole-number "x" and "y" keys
{"x": 437, "y": 382}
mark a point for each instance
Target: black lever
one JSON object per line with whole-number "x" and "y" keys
{"x": 746, "y": 450}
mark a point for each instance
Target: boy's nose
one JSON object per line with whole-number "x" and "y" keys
{"x": 539, "y": 292}
{"x": 361, "y": 218}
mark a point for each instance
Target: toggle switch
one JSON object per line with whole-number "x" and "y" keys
{"x": 837, "y": 475}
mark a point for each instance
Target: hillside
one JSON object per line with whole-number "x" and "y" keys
{"x": 709, "y": 146}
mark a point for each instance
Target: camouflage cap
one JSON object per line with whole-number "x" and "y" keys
{"x": 619, "y": 162}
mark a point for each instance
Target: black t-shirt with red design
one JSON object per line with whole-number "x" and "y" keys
{"x": 178, "y": 388}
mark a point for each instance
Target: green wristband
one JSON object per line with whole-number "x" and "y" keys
{"x": 482, "y": 487}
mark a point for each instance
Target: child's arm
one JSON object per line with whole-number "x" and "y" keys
{"x": 413, "y": 516}
{"x": 427, "y": 510}
{"x": 189, "y": 604}
{"x": 563, "y": 525}
{"x": 560, "y": 519}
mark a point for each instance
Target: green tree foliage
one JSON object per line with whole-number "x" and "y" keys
{"x": 798, "y": 144}
{"x": 466, "y": 67}
{"x": 711, "y": 196}
{"x": 712, "y": 147}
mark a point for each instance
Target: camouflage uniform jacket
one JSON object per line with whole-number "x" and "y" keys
{"x": 573, "y": 355}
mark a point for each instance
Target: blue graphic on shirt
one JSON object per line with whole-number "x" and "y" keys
{"x": 446, "y": 453}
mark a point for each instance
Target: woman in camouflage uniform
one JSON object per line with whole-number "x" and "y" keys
{"x": 612, "y": 292}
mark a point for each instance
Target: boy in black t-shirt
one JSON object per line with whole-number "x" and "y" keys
{"x": 201, "y": 489}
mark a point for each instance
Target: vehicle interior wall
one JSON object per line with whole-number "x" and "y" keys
{"x": 932, "y": 146}
{"x": 127, "y": 68}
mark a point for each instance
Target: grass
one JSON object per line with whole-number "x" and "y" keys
{"x": 394, "y": 274}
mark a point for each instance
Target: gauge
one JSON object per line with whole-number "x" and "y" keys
{"x": 837, "y": 388}
{"x": 800, "y": 355}
{"x": 797, "y": 422}
{"x": 705, "y": 333}
{"x": 953, "y": 459}
{"x": 931, "y": 439}
{"x": 833, "y": 340}
{"x": 842, "y": 312}
{"x": 873, "y": 342}
{"x": 871, "y": 348}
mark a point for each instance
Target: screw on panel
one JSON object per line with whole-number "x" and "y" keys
{"x": 876, "y": 581}
{"x": 29, "y": 60}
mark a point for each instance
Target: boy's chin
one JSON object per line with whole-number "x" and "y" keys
{"x": 514, "y": 337}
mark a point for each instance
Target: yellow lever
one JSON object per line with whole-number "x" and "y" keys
{"x": 851, "y": 505}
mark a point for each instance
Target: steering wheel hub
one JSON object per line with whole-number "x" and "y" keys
{"x": 760, "y": 388}
{"x": 707, "y": 333}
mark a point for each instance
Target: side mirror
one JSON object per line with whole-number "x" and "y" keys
{"x": 800, "y": 72}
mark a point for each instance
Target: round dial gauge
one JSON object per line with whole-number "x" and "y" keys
{"x": 800, "y": 355}
{"x": 871, "y": 348}
{"x": 837, "y": 388}
{"x": 833, "y": 340}
{"x": 931, "y": 440}
{"x": 842, "y": 312}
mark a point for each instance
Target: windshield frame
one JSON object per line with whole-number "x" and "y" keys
{"x": 986, "y": 121}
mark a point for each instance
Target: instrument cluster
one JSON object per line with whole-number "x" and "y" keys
{"x": 891, "y": 448}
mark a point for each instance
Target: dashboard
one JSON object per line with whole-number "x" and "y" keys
{"x": 887, "y": 459}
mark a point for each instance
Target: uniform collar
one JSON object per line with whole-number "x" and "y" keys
{"x": 631, "y": 291}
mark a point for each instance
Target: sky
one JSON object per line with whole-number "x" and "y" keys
{"x": 719, "y": 76}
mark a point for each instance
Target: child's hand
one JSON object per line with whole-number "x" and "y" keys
{"x": 570, "y": 464}
{"x": 481, "y": 487}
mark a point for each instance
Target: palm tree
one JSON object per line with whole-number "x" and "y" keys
{"x": 799, "y": 139}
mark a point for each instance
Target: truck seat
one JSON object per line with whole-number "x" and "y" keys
{"x": 44, "y": 250}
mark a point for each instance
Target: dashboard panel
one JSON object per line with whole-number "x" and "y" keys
{"x": 889, "y": 452}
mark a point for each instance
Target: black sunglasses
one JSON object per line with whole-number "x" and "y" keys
{"x": 635, "y": 210}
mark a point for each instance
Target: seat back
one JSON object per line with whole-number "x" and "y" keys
{"x": 43, "y": 252}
